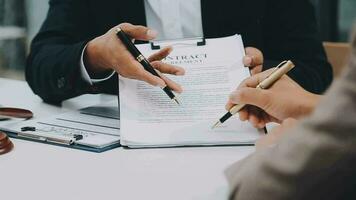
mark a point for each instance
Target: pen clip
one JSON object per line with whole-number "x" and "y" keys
{"x": 276, "y": 68}
{"x": 46, "y": 138}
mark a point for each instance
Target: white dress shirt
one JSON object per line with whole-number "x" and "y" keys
{"x": 173, "y": 19}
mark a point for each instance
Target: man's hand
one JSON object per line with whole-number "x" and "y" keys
{"x": 253, "y": 60}
{"x": 106, "y": 53}
{"x": 276, "y": 134}
{"x": 283, "y": 100}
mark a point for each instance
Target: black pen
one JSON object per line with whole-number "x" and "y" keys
{"x": 142, "y": 60}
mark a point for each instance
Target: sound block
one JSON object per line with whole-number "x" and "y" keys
{"x": 5, "y": 144}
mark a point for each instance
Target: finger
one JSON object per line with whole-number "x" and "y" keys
{"x": 258, "y": 117}
{"x": 254, "y": 117}
{"x": 252, "y": 81}
{"x": 264, "y": 119}
{"x": 143, "y": 75}
{"x": 254, "y": 121}
{"x": 243, "y": 114}
{"x": 262, "y": 123}
{"x": 255, "y": 79}
{"x": 254, "y": 57}
{"x": 173, "y": 85}
{"x": 160, "y": 55}
{"x": 167, "y": 68}
{"x": 289, "y": 122}
{"x": 229, "y": 105}
{"x": 138, "y": 32}
{"x": 251, "y": 96}
{"x": 255, "y": 70}
{"x": 247, "y": 60}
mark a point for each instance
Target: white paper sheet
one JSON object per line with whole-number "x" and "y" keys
{"x": 150, "y": 119}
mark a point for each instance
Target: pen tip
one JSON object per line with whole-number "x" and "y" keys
{"x": 216, "y": 125}
{"x": 176, "y": 100}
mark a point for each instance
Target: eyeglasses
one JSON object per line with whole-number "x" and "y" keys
{"x": 7, "y": 113}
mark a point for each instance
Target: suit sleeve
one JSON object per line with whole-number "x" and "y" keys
{"x": 316, "y": 160}
{"x": 53, "y": 66}
{"x": 291, "y": 33}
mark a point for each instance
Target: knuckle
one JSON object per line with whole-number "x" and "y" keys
{"x": 142, "y": 28}
{"x": 245, "y": 82}
{"x": 124, "y": 25}
{"x": 152, "y": 57}
{"x": 156, "y": 64}
{"x": 234, "y": 98}
{"x": 241, "y": 94}
{"x": 227, "y": 106}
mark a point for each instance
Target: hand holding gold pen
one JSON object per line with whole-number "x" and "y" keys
{"x": 276, "y": 74}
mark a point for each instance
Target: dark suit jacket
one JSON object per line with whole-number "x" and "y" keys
{"x": 281, "y": 29}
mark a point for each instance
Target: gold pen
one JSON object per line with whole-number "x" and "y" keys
{"x": 276, "y": 74}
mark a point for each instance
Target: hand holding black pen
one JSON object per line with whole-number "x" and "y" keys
{"x": 106, "y": 54}
{"x": 143, "y": 61}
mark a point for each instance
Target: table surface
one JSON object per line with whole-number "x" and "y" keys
{"x": 39, "y": 171}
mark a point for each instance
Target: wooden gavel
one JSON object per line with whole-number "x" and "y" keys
{"x": 5, "y": 144}
{"x": 7, "y": 113}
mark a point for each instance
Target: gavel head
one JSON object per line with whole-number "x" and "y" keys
{"x": 5, "y": 144}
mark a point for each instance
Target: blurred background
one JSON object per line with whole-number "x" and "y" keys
{"x": 21, "y": 19}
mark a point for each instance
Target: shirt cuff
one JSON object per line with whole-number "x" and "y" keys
{"x": 85, "y": 75}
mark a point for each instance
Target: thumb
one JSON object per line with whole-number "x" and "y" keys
{"x": 138, "y": 32}
{"x": 250, "y": 96}
{"x": 254, "y": 57}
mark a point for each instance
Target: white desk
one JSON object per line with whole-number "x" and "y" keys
{"x": 39, "y": 171}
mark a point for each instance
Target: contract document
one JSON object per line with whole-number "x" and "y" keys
{"x": 150, "y": 119}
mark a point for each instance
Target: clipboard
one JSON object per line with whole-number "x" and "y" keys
{"x": 198, "y": 41}
{"x": 149, "y": 126}
{"x": 73, "y": 146}
{"x": 82, "y": 129}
